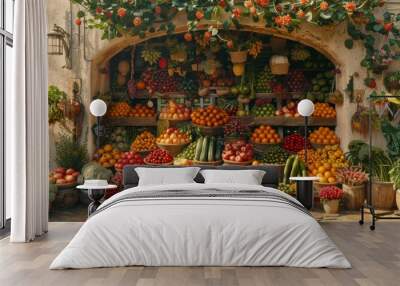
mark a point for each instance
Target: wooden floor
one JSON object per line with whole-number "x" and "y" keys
{"x": 375, "y": 257}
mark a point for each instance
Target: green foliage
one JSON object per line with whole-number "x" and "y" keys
{"x": 70, "y": 153}
{"x": 358, "y": 155}
{"x": 55, "y": 97}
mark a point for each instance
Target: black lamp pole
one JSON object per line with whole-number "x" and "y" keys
{"x": 305, "y": 140}
{"x": 98, "y": 132}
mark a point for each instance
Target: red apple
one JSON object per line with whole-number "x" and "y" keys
{"x": 69, "y": 178}
{"x": 69, "y": 171}
{"x": 75, "y": 174}
{"x": 58, "y": 176}
{"x": 60, "y": 170}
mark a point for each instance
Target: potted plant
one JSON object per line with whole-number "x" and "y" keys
{"x": 353, "y": 181}
{"x": 383, "y": 192}
{"x": 330, "y": 197}
{"x": 394, "y": 174}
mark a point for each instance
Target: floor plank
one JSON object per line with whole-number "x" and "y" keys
{"x": 375, "y": 257}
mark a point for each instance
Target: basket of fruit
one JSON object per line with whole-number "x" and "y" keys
{"x": 275, "y": 156}
{"x": 265, "y": 137}
{"x": 158, "y": 157}
{"x": 208, "y": 151}
{"x": 210, "y": 120}
{"x": 238, "y": 153}
{"x": 107, "y": 156}
{"x": 64, "y": 178}
{"x": 144, "y": 143}
{"x": 175, "y": 112}
{"x": 173, "y": 140}
{"x": 323, "y": 136}
{"x": 128, "y": 158}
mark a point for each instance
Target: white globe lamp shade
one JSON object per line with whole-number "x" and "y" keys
{"x": 98, "y": 107}
{"x": 305, "y": 107}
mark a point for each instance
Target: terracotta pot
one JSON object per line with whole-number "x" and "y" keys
{"x": 354, "y": 196}
{"x": 398, "y": 199}
{"x": 331, "y": 206}
{"x": 383, "y": 195}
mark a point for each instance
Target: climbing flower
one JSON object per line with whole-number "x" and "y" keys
{"x": 236, "y": 13}
{"x": 350, "y": 7}
{"x": 262, "y": 3}
{"x": 324, "y": 6}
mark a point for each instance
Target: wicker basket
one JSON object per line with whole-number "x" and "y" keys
{"x": 173, "y": 149}
{"x": 203, "y": 163}
{"x": 234, "y": 163}
{"x": 279, "y": 69}
{"x": 238, "y": 57}
{"x": 211, "y": 131}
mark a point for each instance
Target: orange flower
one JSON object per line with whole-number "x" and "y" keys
{"x": 283, "y": 20}
{"x": 199, "y": 14}
{"x": 304, "y": 2}
{"x": 188, "y": 37}
{"x": 300, "y": 14}
{"x": 236, "y": 13}
{"x": 248, "y": 3}
{"x": 324, "y": 6}
{"x": 121, "y": 12}
{"x": 137, "y": 21}
{"x": 262, "y": 3}
{"x": 350, "y": 6}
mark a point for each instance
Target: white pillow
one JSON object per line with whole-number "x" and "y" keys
{"x": 166, "y": 176}
{"x": 248, "y": 177}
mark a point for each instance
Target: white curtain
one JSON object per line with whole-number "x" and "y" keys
{"x": 26, "y": 124}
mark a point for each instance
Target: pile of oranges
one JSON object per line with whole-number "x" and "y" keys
{"x": 123, "y": 109}
{"x": 173, "y": 136}
{"x": 265, "y": 134}
{"x": 175, "y": 111}
{"x": 311, "y": 156}
{"x": 211, "y": 116}
{"x": 144, "y": 142}
{"x": 324, "y": 135}
{"x": 107, "y": 156}
{"x": 324, "y": 110}
{"x": 327, "y": 161}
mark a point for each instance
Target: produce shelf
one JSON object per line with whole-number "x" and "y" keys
{"x": 294, "y": 121}
{"x": 131, "y": 121}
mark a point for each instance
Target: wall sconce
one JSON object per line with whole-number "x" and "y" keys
{"x": 59, "y": 43}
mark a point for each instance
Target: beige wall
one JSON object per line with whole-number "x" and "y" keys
{"x": 86, "y": 64}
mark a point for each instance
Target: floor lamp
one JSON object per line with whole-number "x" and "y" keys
{"x": 305, "y": 184}
{"x": 98, "y": 108}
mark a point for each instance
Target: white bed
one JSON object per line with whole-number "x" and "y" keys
{"x": 201, "y": 231}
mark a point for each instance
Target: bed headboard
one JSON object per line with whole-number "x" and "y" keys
{"x": 271, "y": 179}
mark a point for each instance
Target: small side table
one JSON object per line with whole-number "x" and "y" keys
{"x": 304, "y": 186}
{"x": 95, "y": 194}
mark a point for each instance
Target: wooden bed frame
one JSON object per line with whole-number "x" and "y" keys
{"x": 271, "y": 179}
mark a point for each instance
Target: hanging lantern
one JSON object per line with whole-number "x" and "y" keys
{"x": 279, "y": 65}
{"x": 58, "y": 42}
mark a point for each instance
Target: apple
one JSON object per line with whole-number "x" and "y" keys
{"x": 59, "y": 170}
{"x": 69, "y": 178}
{"x": 238, "y": 159}
{"x": 232, "y": 158}
{"x": 60, "y": 181}
{"x": 75, "y": 174}
{"x": 69, "y": 171}
{"x": 58, "y": 176}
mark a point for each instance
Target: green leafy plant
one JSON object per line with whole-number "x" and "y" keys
{"x": 70, "y": 153}
{"x": 394, "y": 174}
{"x": 55, "y": 97}
{"x": 358, "y": 155}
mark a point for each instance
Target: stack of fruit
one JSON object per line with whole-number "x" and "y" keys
{"x": 294, "y": 167}
{"x": 120, "y": 109}
{"x": 119, "y": 139}
{"x": 238, "y": 152}
{"x": 188, "y": 153}
{"x": 140, "y": 110}
{"x": 323, "y": 135}
{"x": 311, "y": 157}
{"x": 211, "y": 116}
{"x": 264, "y": 81}
{"x": 265, "y": 134}
{"x": 324, "y": 110}
{"x": 328, "y": 160}
{"x": 263, "y": 110}
{"x": 107, "y": 156}
{"x": 163, "y": 82}
{"x": 175, "y": 111}
{"x": 208, "y": 150}
{"x": 296, "y": 81}
{"x": 62, "y": 176}
{"x": 235, "y": 128}
{"x": 158, "y": 157}
{"x": 294, "y": 143}
{"x": 128, "y": 158}
{"x": 289, "y": 110}
{"x": 189, "y": 86}
{"x": 322, "y": 82}
{"x": 173, "y": 136}
{"x": 275, "y": 155}
{"x": 144, "y": 142}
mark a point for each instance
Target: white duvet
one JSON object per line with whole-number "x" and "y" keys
{"x": 200, "y": 231}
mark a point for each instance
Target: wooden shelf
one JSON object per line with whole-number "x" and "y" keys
{"x": 283, "y": 95}
{"x": 131, "y": 121}
{"x": 294, "y": 121}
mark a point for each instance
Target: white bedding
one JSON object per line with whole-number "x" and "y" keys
{"x": 200, "y": 231}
